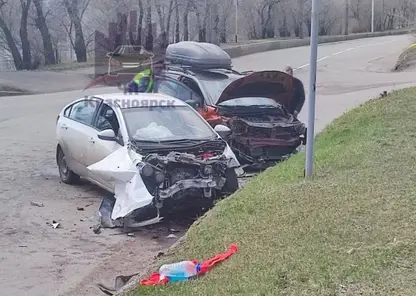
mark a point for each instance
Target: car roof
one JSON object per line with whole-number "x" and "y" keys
{"x": 203, "y": 73}
{"x": 128, "y": 100}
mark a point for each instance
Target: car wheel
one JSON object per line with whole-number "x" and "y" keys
{"x": 231, "y": 181}
{"x": 67, "y": 176}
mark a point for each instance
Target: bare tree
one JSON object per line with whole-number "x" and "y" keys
{"x": 140, "y": 23}
{"x": 41, "y": 24}
{"x": 177, "y": 22}
{"x": 24, "y": 38}
{"x": 149, "y": 30}
{"x": 11, "y": 44}
{"x": 164, "y": 21}
{"x": 75, "y": 16}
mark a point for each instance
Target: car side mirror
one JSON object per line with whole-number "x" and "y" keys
{"x": 107, "y": 135}
{"x": 222, "y": 130}
{"x": 194, "y": 104}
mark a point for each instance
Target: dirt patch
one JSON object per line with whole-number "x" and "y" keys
{"x": 6, "y": 90}
{"x": 407, "y": 59}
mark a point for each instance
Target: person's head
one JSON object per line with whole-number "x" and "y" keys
{"x": 157, "y": 67}
{"x": 289, "y": 70}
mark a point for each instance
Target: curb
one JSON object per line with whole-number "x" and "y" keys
{"x": 247, "y": 49}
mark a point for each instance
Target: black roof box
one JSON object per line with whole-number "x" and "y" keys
{"x": 200, "y": 55}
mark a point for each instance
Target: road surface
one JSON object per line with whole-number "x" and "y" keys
{"x": 38, "y": 260}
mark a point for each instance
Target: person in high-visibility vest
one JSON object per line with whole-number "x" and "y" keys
{"x": 144, "y": 80}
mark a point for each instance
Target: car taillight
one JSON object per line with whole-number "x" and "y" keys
{"x": 57, "y": 119}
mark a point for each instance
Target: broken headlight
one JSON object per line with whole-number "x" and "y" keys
{"x": 206, "y": 170}
{"x": 159, "y": 177}
{"x": 145, "y": 169}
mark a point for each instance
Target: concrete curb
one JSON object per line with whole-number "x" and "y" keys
{"x": 246, "y": 49}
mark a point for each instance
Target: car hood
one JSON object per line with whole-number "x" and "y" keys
{"x": 275, "y": 85}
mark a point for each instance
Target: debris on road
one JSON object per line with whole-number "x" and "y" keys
{"x": 97, "y": 229}
{"x": 119, "y": 283}
{"x": 37, "y": 204}
{"x": 131, "y": 234}
{"x": 55, "y": 224}
{"x": 171, "y": 236}
{"x": 80, "y": 209}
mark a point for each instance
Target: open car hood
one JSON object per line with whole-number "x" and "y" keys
{"x": 275, "y": 85}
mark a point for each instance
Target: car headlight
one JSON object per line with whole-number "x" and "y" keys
{"x": 207, "y": 170}
{"x": 145, "y": 169}
{"x": 159, "y": 177}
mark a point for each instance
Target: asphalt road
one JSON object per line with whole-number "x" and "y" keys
{"x": 38, "y": 260}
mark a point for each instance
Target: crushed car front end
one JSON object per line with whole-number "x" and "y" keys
{"x": 262, "y": 137}
{"x": 173, "y": 158}
{"x": 188, "y": 172}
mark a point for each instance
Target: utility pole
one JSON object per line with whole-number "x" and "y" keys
{"x": 372, "y": 15}
{"x": 312, "y": 91}
{"x": 236, "y": 21}
{"x": 347, "y": 16}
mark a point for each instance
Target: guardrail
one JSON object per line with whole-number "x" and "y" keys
{"x": 246, "y": 49}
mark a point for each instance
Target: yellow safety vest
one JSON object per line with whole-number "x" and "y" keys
{"x": 145, "y": 73}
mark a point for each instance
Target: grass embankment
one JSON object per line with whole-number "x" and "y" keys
{"x": 350, "y": 231}
{"x": 407, "y": 59}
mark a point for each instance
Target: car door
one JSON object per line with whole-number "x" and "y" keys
{"x": 98, "y": 149}
{"x": 75, "y": 136}
{"x": 178, "y": 90}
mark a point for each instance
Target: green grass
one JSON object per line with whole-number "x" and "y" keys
{"x": 350, "y": 231}
{"x": 407, "y": 59}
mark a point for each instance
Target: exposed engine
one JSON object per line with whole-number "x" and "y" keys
{"x": 262, "y": 137}
{"x": 178, "y": 175}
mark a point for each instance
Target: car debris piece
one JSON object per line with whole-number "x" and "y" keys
{"x": 171, "y": 236}
{"x": 131, "y": 234}
{"x": 55, "y": 224}
{"x": 96, "y": 229}
{"x": 37, "y": 204}
{"x": 80, "y": 209}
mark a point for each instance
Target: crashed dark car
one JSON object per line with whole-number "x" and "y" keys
{"x": 252, "y": 104}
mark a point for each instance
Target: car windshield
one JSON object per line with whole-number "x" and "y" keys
{"x": 250, "y": 101}
{"x": 215, "y": 83}
{"x": 167, "y": 123}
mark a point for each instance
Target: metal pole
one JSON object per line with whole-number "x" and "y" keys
{"x": 347, "y": 15}
{"x": 312, "y": 90}
{"x": 372, "y": 16}
{"x": 236, "y": 21}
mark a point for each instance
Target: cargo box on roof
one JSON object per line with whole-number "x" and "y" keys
{"x": 198, "y": 55}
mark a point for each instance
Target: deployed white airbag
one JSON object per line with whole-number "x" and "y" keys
{"x": 153, "y": 132}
